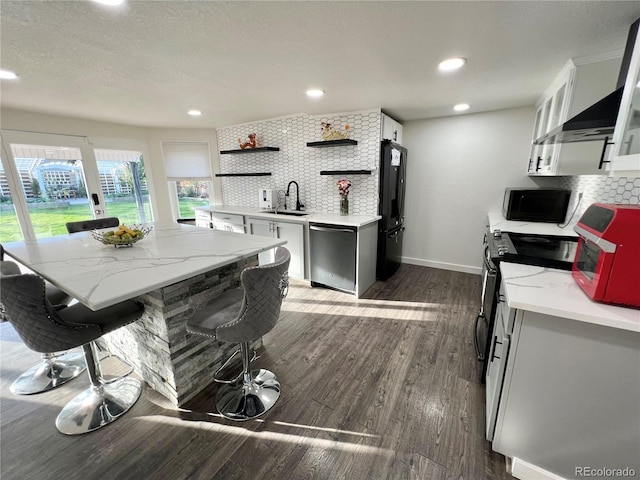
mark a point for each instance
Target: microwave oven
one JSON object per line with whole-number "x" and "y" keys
{"x": 607, "y": 262}
{"x": 536, "y": 205}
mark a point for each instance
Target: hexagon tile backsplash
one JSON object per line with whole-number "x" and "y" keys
{"x": 296, "y": 161}
{"x": 597, "y": 188}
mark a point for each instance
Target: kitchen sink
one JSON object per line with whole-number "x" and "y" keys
{"x": 295, "y": 213}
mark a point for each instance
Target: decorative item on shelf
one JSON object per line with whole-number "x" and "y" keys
{"x": 124, "y": 236}
{"x": 330, "y": 133}
{"x": 254, "y": 142}
{"x": 343, "y": 190}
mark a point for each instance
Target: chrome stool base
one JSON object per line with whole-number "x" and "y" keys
{"x": 54, "y": 371}
{"x": 98, "y": 406}
{"x": 246, "y": 400}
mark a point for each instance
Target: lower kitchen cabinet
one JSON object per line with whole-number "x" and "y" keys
{"x": 293, "y": 233}
{"x": 227, "y": 222}
{"x": 569, "y": 398}
{"x": 203, "y": 218}
{"x": 219, "y": 221}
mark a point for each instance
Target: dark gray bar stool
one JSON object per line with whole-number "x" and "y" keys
{"x": 56, "y": 368}
{"x": 45, "y": 329}
{"x": 241, "y": 316}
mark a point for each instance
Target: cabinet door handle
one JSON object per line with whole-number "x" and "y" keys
{"x": 604, "y": 150}
{"x": 493, "y": 354}
{"x": 538, "y": 163}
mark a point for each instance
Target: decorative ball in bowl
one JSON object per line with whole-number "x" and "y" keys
{"x": 123, "y": 236}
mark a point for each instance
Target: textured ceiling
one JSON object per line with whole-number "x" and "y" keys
{"x": 148, "y": 62}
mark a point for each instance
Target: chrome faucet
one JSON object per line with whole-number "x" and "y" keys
{"x": 298, "y": 204}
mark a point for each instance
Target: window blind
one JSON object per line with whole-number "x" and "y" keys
{"x": 186, "y": 160}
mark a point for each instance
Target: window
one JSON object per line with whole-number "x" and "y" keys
{"x": 188, "y": 171}
{"x": 123, "y": 181}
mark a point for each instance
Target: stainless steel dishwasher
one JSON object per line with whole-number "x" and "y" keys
{"x": 333, "y": 256}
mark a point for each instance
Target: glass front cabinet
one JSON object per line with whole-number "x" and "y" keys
{"x": 550, "y": 113}
{"x": 625, "y": 154}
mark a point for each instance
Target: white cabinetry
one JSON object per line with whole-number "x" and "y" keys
{"x": 293, "y": 233}
{"x": 576, "y": 88}
{"x": 497, "y": 362}
{"x": 625, "y": 154}
{"x": 227, "y": 222}
{"x": 550, "y": 113}
{"x": 391, "y": 129}
{"x": 203, "y": 218}
{"x": 219, "y": 221}
{"x": 570, "y": 387}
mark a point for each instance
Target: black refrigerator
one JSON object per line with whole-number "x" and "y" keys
{"x": 393, "y": 168}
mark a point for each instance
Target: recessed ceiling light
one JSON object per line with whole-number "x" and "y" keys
{"x": 7, "y": 75}
{"x": 315, "y": 92}
{"x": 451, "y": 64}
{"x": 194, "y": 113}
{"x": 110, "y": 3}
{"x": 461, "y": 107}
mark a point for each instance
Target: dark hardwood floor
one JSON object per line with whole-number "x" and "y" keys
{"x": 384, "y": 387}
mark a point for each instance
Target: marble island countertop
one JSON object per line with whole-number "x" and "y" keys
{"x": 326, "y": 218}
{"x": 498, "y": 222}
{"x": 554, "y": 292}
{"x": 101, "y": 275}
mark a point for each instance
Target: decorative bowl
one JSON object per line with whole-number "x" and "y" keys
{"x": 122, "y": 236}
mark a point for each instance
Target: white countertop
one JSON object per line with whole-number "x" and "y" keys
{"x": 331, "y": 219}
{"x": 498, "y": 222}
{"x": 554, "y": 292}
{"x": 100, "y": 275}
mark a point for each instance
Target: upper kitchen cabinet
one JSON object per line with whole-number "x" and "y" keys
{"x": 577, "y": 87}
{"x": 625, "y": 153}
{"x": 550, "y": 112}
{"x": 391, "y": 129}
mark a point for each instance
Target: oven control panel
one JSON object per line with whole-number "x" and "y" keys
{"x": 499, "y": 244}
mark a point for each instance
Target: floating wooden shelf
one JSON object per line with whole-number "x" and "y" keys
{"x": 249, "y": 150}
{"x": 345, "y": 172}
{"x": 332, "y": 143}
{"x": 258, "y": 174}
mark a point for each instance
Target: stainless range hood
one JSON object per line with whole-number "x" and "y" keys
{"x": 598, "y": 121}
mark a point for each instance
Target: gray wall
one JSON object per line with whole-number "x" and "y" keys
{"x": 457, "y": 170}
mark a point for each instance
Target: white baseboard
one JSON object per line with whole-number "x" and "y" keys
{"x": 442, "y": 265}
{"x": 526, "y": 471}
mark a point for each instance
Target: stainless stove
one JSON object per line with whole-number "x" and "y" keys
{"x": 542, "y": 250}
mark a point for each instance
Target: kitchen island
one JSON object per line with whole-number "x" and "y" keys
{"x": 173, "y": 271}
{"x": 569, "y": 398}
